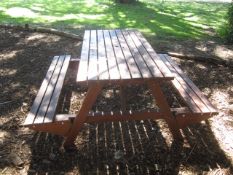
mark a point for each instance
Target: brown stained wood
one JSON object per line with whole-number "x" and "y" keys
{"x": 126, "y": 116}
{"x": 102, "y": 58}
{"x": 92, "y": 66}
{"x": 191, "y": 94}
{"x": 183, "y": 111}
{"x": 182, "y": 90}
{"x": 121, "y": 62}
{"x": 83, "y": 64}
{"x": 36, "y": 104}
{"x": 145, "y": 72}
{"x": 150, "y": 63}
{"x": 59, "y": 128}
{"x": 57, "y": 91}
{"x": 133, "y": 68}
{"x": 48, "y": 94}
{"x": 165, "y": 109}
{"x": 162, "y": 67}
{"x": 112, "y": 64}
{"x": 192, "y": 86}
{"x": 92, "y": 93}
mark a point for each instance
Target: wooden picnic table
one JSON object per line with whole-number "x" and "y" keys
{"x": 122, "y": 58}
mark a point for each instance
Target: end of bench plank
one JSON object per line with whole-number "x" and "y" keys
{"x": 60, "y": 128}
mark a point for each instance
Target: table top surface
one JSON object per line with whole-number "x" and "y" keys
{"x": 119, "y": 55}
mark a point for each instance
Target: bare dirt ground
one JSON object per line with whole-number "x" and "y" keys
{"x": 137, "y": 147}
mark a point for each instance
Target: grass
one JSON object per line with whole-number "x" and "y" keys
{"x": 180, "y": 20}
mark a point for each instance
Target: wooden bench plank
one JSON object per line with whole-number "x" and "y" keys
{"x": 150, "y": 63}
{"x": 112, "y": 64}
{"x": 48, "y": 94}
{"x": 135, "y": 73}
{"x": 83, "y": 64}
{"x": 145, "y": 72}
{"x": 36, "y": 104}
{"x": 196, "y": 90}
{"x": 121, "y": 62}
{"x": 186, "y": 87}
{"x": 92, "y": 65}
{"x": 57, "y": 91}
{"x": 182, "y": 88}
{"x": 102, "y": 59}
{"x": 162, "y": 67}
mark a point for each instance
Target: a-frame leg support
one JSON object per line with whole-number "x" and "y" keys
{"x": 81, "y": 117}
{"x": 165, "y": 109}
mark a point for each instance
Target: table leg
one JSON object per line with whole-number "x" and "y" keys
{"x": 165, "y": 108}
{"x": 92, "y": 93}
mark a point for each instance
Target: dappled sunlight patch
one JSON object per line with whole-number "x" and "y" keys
{"x": 40, "y": 37}
{"x": 221, "y": 124}
{"x": 223, "y": 52}
{"x": 192, "y": 18}
{"x": 35, "y": 37}
{"x": 37, "y": 8}
{"x": 89, "y": 16}
{"x": 221, "y": 98}
{"x": 2, "y": 9}
{"x": 7, "y": 72}
{"x": 21, "y": 12}
{"x": 165, "y": 132}
{"x": 9, "y": 54}
{"x": 121, "y": 14}
{"x": 201, "y": 66}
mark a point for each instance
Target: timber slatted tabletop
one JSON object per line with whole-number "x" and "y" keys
{"x": 116, "y": 57}
{"x": 119, "y": 55}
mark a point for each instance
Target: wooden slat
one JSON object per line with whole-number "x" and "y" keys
{"x": 145, "y": 72}
{"x": 191, "y": 93}
{"x": 162, "y": 67}
{"x": 36, "y": 104}
{"x": 112, "y": 64}
{"x": 126, "y": 116}
{"x": 83, "y": 64}
{"x": 196, "y": 90}
{"x": 57, "y": 91}
{"x": 135, "y": 73}
{"x": 121, "y": 62}
{"x": 186, "y": 93}
{"x": 92, "y": 65}
{"x": 102, "y": 59}
{"x": 48, "y": 94}
{"x": 150, "y": 63}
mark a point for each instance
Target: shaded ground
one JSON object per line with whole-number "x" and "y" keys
{"x": 141, "y": 147}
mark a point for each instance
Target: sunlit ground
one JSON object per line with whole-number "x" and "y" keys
{"x": 158, "y": 18}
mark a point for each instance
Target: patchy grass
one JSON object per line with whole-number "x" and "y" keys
{"x": 180, "y": 20}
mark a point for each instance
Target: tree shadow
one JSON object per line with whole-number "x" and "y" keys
{"x": 131, "y": 147}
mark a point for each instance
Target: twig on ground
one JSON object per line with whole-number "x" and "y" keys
{"x": 42, "y": 30}
{"x": 6, "y": 102}
{"x": 213, "y": 59}
{"x": 191, "y": 152}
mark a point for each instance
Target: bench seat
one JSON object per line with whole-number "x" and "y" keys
{"x": 195, "y": 100}
{"x": 45, "y": 104}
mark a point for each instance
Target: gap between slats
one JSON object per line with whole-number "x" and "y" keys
{"x": 57, "y": 91}
{"x": 48, "y": 94}
{"x": 40, "y": 95}
{"x": 182, "y": 90}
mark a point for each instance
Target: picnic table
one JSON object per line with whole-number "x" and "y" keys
{"x": 123, "y": 58}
